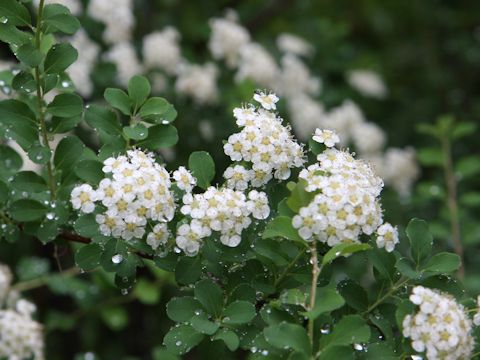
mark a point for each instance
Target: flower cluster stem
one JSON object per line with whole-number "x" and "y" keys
{"x": 451, "y": 184}
{"x": 313, "y": 289}
{"x": 41, "y": 110}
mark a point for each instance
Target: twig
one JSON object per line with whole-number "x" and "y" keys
{"x": 289, "y": 266}
{"x": 313, "y": 289}
{"x": 452, "y": 201}
{"x": 42, "y": 280}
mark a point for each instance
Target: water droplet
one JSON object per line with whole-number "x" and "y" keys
{"x": 177, "y": 250}
{"x": 117, "y": 259}
{"x": 178, "y": 343}
{"x": 358, "y": 347}
{"x": 3, "y": 20}
{"x": 50, "y": 216}
{"x": 165, "y": 122}
{"x": 124, "y": 291}
{"x": 65, "y": 84}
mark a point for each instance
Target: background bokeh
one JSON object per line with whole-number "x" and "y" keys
{"x": 428, "y": 54}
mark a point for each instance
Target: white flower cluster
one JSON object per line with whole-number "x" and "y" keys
{"x": 20, "y": 336}
{"x": 219, "y": 210}
{"x": 295, "y": 79}
{"x": 161, "y": 50}
{"x": 346, "y": 203}
{"x": 440, "y": 329}
{"x": 257, "y": 64}
{"x": 264, "y": 142}
{"x": 80, "y": 70}
{"x": 368, "y": 83}
{"x": 198, "y": 81}
{"x": 136, "y": 194}
{"x": 227, "y": 38}
{"x": 293, "y": 44}
{"x": 387, "y": 237}
{"x": 125, "y": 58}
{"x": 5, "y": 281}
{"x": 117, "y": 15}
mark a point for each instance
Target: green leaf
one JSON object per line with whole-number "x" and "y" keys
{"x": 431, "y": 156}
{"x": 281, "y": 226}
{"x": 238, "y": 312}
{"x": 154, "y": 108}
{"x": 138, "y": 90}
{"x": 188, "y": 270}
{"x": 354, "y": 295}
{"x": 59, "y": 58}
{"x": 90, "y": 171}
{"x": 66, "y": 105}
{"x": 88, "y": 257}
{"x": 11, "y": 35}
{"x": 29, "y": 181}
{"x": 99, "y": 117}
{"x": 21, "y": 122}
{"x": 380, "y": 351}
{"x": 15, "y": 13}
{"x": 288, "y": 336}
{"x": 29, "y": 55}
{"x": 57, "y": 18}
{"x": 467, "y": 167}
{"x": 201, "y": 323}
{"x": 3, "y": 192}
{"x": 406, "y": 267}
{"x": 349, "y": 330}
{"x": 202, "y": 167}
{"x": 463, "y": 129}
{"x": 27, "y": 210}
{"x": 299, "y": 197}
{"x": 114, "y": 255}
{"x": 10, "y": 161}
{"x": 159, "y": 136}
{"x": 67, "y": 153}
{"x": 420, "y": 240}
{"x": 327, "y": 300}
{"x": 115, "y": 317}
{"x": 210, "y": 296}
{"x": 229, "y": 338}
{"x": 343, "y": 249}
{"x": 293, "y": 296}
{"x": 182, "y": 309}
{"x": 39, "y": 154}
{"x": 338, "y": 353}
{"x": 443, "y": 263}
{"x": 24, "y": 81}
{"x": 47, "y": 231}
{"x": 181, "y": 339}
{"x": 147, "y": 292}
{"x": 61, "y": 125}
{"x": 118, "y": 99}
{"x": 86, "y": 226}
{"x": 136, "y": 132}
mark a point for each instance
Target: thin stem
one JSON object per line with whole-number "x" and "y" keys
{"x": 289, "y": 266}
{"x": 41, "y": 110}
{"x": 42, "y": 280}
{"x": 5, "y": 217}
{"x": 313, "y": 289}
{"x": 84, "y": 240}
{"x": 385, "y": 296}
{"x": 452, "y": 201}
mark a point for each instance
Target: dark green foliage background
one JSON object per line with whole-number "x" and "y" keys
{"x": 428, "y": 53}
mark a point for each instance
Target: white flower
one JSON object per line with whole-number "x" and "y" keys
{"x": 83, "y": 198}
{"x": 184, "y": 179}
{"x": 237, "y": 177}
{"x": 158, "y": 236}
{"x": 268, "y": 101}
{"x": 293, "y": 44}
{"x": 198, "y": 81}
{"x": 20, "y": 336}
{"x": 368, "y": 83}
{"x": 387, "y": 237}
{"x": 440, "y": 327}
{"x": 327, "y": 137}
{"x": 188, "y": 239}
{"x": 161, "y": 49}
{"x": 258, "y": 204}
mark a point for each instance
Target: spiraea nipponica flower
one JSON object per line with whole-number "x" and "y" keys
{"x": 387, "y": 237}
{"x": 346, "y": 202}
{"x": 264, "y": 144}
{"x": 135, "y": 196}
{"x": 440, "y": 328}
